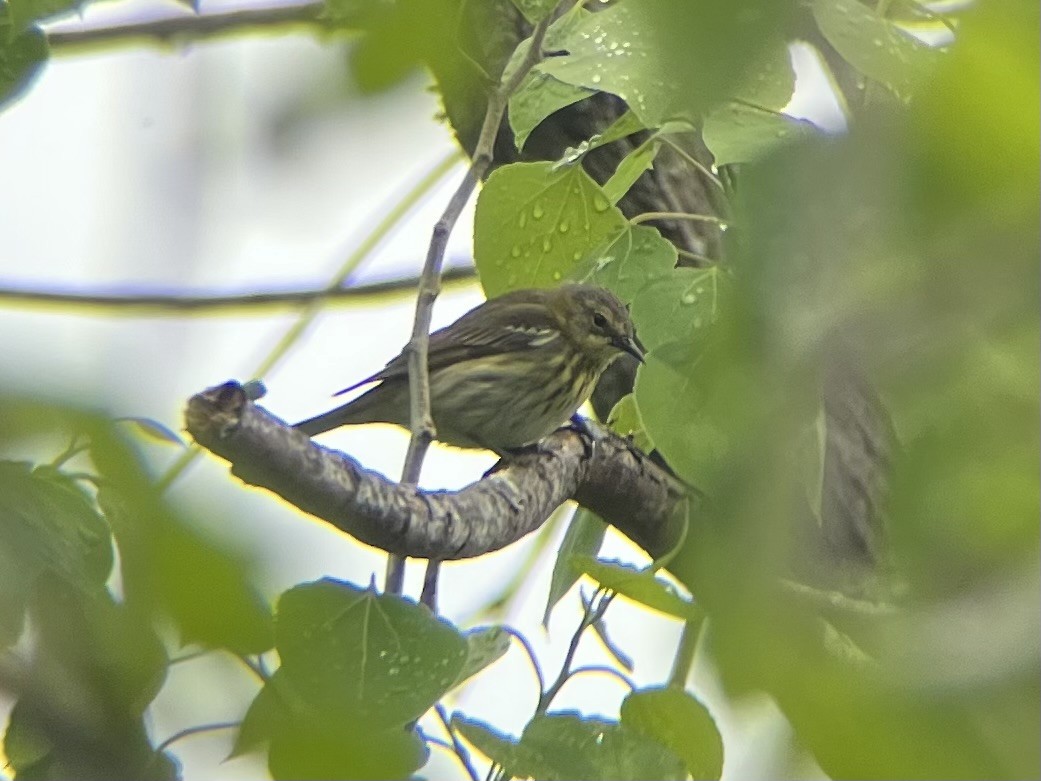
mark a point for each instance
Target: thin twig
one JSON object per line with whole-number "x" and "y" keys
{"x": 435, "y": 741}
{"x": 188, "y": 657}
{"x": 428, "y": 596}
{"x": 74, "y": 449}
{"x": 160, "y": 303}
{"x": 593, "y": 613}
{"x": 460, "y": 750}
{"x": 649, "y": 216}
{"x": 684, "y": 659}
{"x": 422, "y": 424}
{"x": 257, "y": 668}
{"x": 693, "y": 161}
{"x": 530, "y": 652}
{"x": 184, "y": 733}
{"x": 189, "y": 27}
{"x": 606, "y": 670}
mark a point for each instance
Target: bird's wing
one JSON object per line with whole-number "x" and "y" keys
{"x": 481, "y": 332}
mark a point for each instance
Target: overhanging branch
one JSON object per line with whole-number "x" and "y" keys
{"x": 161, "y": 303}
{"x": 611, "y": 478}
{"x": 187, "y": 27}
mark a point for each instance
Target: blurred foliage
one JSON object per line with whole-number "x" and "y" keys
{"x": 852, "y": 388}
{"x": 93, "y": 659}
{"x": 676, "y": 719}
{"x": 564, "y": 746}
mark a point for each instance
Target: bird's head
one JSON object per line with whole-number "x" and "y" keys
{"x": 596, "y": 322}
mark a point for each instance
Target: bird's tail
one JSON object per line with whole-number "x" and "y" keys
{"x": 341, "y": 416}
{"x": 379, "y": 405}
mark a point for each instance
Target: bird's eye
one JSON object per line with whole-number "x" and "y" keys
{"x": 599, "y": 320}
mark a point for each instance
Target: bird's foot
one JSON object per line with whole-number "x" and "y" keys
{"x": 591, "y": 432}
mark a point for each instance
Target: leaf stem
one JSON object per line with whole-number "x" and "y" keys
{"x": 257, "y": 667}
{"x": 694, "y": 162}
{"x": 460, "y": 750}
{"x": 594, "y": 612}
{"x": 530, "y": 653}
{"x": 648, "y": 216}
{"x": 684, "y": 659}
{"x": 606, "y": 670}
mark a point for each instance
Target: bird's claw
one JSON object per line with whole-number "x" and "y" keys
{"x": 590, "y": 431}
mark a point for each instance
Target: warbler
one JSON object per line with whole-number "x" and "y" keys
{"x": 507, "y": 373}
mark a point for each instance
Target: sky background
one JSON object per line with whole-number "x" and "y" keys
{"x": 240, "y": 166}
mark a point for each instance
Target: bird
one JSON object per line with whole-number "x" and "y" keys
{"x": 506, "y": 374}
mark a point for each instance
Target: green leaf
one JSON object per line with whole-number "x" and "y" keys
{"x": 669, "y": 59}
{"x": 322, "y": 750}
{"x": 94, "y": 669}
{"x": 535, "y": 222}
{"x": 371, "y": 658}
{"x": 771, "y": 82}
{"x": 565, "y": 746}
{"x": 677, "y": 720}
{"x": 23, "y": 14}
{"x": 675, "y": 391}
{"x": 875, "y": 46}
{"x": 484, "y": 647}
{"x": 585, "y": 533}
{"x": 635, "y": 258}
{"x": 570, "y": 746}
{"x": 263, "y": 717}
{"x": 631, "y": 168}
{"x": 613, "y": 51}
{"x": 678, "y": 307}
{"x": 49, "y": 528}
{"x": 625, "y": 420}
{"x": 22, "y": 55}
{"x": 398, "y": 38}
{"x": 739, "y": 133}
{"x": 623, "y": 127}
{"x": 307, "y": 742}
{"x": 535, "y": 10}
{"x": 639, "y": 585}
{"x": 495, "y": 745}
{"x": 170, "y": 568}
{"x": 538, "y": 96}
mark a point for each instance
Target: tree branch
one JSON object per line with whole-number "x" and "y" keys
{"x": 610, "y": 477}
{"x": 192, "y": 27}
{"x": 159, "y": 303}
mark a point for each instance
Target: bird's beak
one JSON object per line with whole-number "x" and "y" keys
{"x": 628, "y": 345}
